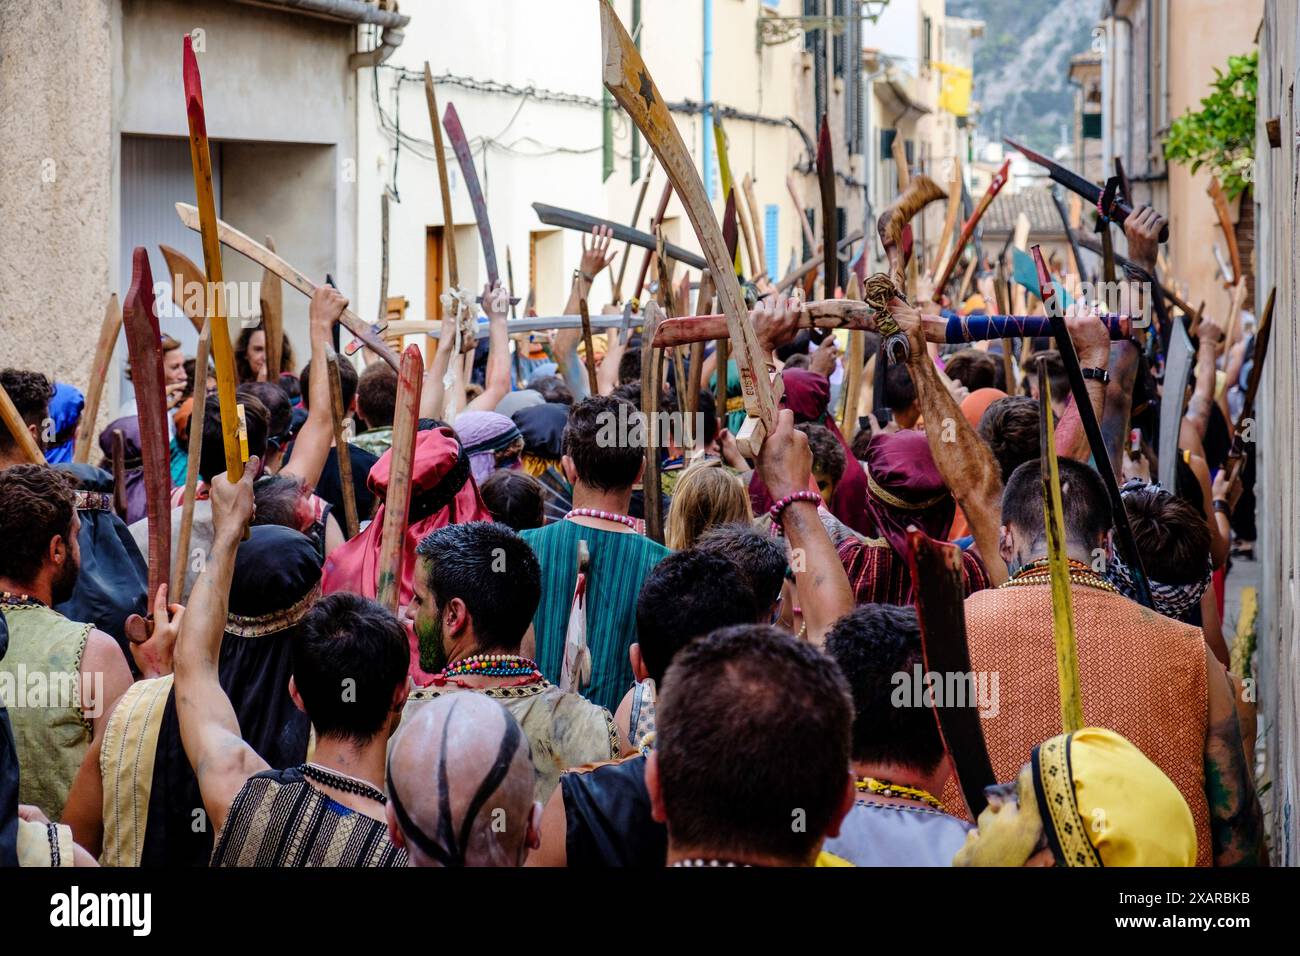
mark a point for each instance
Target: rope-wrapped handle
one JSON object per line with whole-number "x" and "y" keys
{"x": 878, "y": 293}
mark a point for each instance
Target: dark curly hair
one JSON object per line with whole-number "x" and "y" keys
{"x": 1010, "y": 428}
{"x": 31, "y": 393}
{"x": 36, "y": 503}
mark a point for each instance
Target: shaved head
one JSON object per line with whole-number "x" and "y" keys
{"x": 460, "y": 785}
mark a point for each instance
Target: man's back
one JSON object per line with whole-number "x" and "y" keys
{"x": 619, "y": 565}
{"x": 279, "y": 819}
{"x": 1141, "y": 674}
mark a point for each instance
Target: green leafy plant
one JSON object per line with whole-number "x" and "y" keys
{"x": 1221, "y": 134}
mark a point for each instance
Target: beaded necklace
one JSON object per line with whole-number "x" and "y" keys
{"x": 699, "y": 862}
{"x": 1039, "y": 572}
{"x": 490, "y": 665}
{"x": 887, "y": 789}
{"x": 605, "y": 516}
{"x": 341, "y": 781}
{"x": 20, "y": 600}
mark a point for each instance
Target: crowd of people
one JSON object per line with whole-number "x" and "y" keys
{"x": 558, "y": 688}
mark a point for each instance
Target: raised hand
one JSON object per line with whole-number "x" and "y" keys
{"x": 327, "y": 304}
{"x": 153, "y": 641}
{"x": 785, "y": 460}
{"x": 232, "y": 502}
{"x": 1142, "y": 230}
{"x": 496, "y": 300}
{"x": 776, "y": 321}
{"x": 596, "y": 256}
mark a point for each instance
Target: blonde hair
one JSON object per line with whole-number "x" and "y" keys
{"x": 706, "y": 495}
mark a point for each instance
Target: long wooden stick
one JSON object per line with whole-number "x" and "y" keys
{"x": 350, "y": 522}
{"x": 205, "y": 216}
{"x": 198, "y": 412}
{"x": 108, "y": 330}
{"x": 803, "y": 218}
{"x": 589, "y": 359}
{"x": 272, "y": 299}
{"x": 651, "y": 480}
{"x": 636, "y": 216}
{"x": 1067, "y": 658}
{"x": 250, "y": 248}
{"x": 950, "y": 220}
{"x": 760, "y": 251}
{"x": 448, "y": 229}
{"x": 968, "y": 228}
{"x": 397, "y": 499}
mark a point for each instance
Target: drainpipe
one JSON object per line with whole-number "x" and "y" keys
{"x": 707, "y": 92}
{"x": 351, "y": 11}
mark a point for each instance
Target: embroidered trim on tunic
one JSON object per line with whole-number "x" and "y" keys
{"x": 1054, "y": 787}
{"x": 896, "y": 502}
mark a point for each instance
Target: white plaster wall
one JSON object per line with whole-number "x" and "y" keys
{"x": 500, "y": 40}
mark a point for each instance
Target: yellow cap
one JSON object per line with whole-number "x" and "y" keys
{"x": 1104, "y": 803}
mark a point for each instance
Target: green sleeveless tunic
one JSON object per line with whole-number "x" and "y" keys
{"x": 40, "y": 681}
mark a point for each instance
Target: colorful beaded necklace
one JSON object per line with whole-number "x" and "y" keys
{"x": 604, "y": 516}
{"x": 887, "y": 789}
{"x": 491, "y": 665}
{"x": 1039, "y": 572}
{"x": 20, "y": 600}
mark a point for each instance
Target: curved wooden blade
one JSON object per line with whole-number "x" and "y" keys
{"x": 1220, "y": 200}
{"x": 940, "y": 609}
{"x": 272, "y": 302}
{"x": 206, "y": 224}
{"x": 826, "y": 181}
{"x": 251, "y": 249}
{"x": 581, "y": 222}
{"x": 448, "y": 229}
{"x": 189, "y": 286}
{"x": 108, "y": 330}
{"x": 920, "y": 192}
{"x": 955, "y": 196}
{"x": 144, "y": 346}
{"x": 350, "y": 521}
{"x": 198, "y": 412}
{"x": 628, "y": 79}
{"x": 460, "y": 145}
{"x": 1067, "y": 658}
{"x": 397, "y": 499}
{"x": 968, "y": 228}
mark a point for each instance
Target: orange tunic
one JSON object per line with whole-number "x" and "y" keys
{"x": 1141, "y": 675}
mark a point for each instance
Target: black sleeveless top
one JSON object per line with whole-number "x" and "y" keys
{"x": 607, "y": 817}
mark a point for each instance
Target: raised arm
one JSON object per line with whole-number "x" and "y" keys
{"x": 964, "y": 461}
{"x": 785, "y": 465}
{"x": 1092, "y": 345}
{"x": 496, "y": 302}
{"x": 311, "y": 448}
{"x": 433, "y": 392}
{"x": 222, "y": 761}
{"x": 595, "y": 258}
{"x": 1207, "y": 354}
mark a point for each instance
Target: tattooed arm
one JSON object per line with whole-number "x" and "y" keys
{"x": 964, "y": 461}
{"x": 1236, "y": 821}
{"x": 222, "y": 761}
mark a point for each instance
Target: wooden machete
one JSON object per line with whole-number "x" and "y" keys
{"x": 397, "y": 498}
{"x": 628, "y": 79}
{"x": 108, "y": 330}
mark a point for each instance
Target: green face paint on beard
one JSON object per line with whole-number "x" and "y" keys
{"x": 428, "y": 635}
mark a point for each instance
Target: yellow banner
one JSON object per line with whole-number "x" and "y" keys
{"x": 954, "y": 88}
